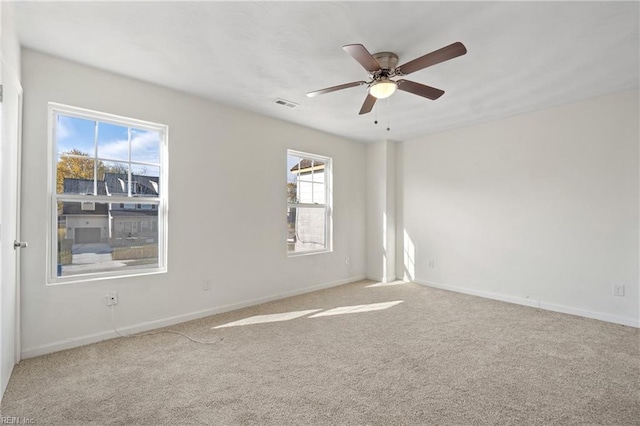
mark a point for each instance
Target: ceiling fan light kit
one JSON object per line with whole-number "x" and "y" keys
{"x": 383, "y": 88}
{"x": 384, "y": 72}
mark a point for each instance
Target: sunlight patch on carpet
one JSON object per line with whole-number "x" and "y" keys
{"x": 260, "y": 319}
{"x": 357, "y": 308}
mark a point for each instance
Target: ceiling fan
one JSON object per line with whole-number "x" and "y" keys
{"x": 383, "y": 72}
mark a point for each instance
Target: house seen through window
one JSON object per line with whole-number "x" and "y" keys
{"x": 109, "y": 200}
{"x": 308, "y": 203}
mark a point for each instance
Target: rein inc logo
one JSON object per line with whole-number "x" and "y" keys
{"x": 17, "y": 421}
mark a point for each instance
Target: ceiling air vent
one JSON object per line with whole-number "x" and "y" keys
{"x": 286, "y": 103}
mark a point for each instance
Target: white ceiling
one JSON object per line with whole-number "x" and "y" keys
{"x": 521, "y": 56}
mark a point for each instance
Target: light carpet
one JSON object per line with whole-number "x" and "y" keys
{"x": 436, "y": 358}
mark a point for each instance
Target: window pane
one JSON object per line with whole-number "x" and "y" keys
{"x": 305, "y": 179}
{"x": 99, "y": 237}
{"x": 113, "y": 142}
{"x": 306, "y": 170}
{"x": 75, "y": 135}
{"x": 292, "y": 185}
{"x": 305, "y": 192}
{"x": 74, "y": 175}
{"x": 293, "y": 165}
{"x": 113, "y": 177}
{"x": 145, "y": 181}
{"x": 292, "y": 191}
{"x": 291, "y": 229}
{"x": 145, "y": 146}
{"x": 319, "y": 194}
{"x": 306, "y": 229}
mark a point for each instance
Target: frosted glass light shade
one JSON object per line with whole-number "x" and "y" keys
{"x": 383, "y": 88}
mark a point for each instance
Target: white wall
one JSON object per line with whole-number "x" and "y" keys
{"x": 381, "y": 208}
{"x": 224, "y": 224}
{"x": 539, "y": 209}
{"x": 10, "y": 55}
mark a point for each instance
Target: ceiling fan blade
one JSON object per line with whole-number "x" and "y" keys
{"x": 420, "y": 89}
{"x": 334, "y": 88}
{"x": 448, "y": 52}
{"x": 362, "y": 55}
{"x": 368, "y": 104}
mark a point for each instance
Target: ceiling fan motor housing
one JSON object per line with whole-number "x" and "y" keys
{"x": 382, "y": 86}
{"x": 387, "y": 60}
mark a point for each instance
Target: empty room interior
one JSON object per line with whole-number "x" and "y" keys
{"x": 304, "y": 213}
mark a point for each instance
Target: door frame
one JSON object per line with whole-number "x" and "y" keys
{"x": 20, "y": 92}
{"x": 8, "y": 77}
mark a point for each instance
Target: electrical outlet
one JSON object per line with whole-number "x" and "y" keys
{"x": 112, "y": 298}
{"x": 618, "y": 289}
{"x": 206, "y": 284}
{"x": 347, "y": 261}
{"x": 432, "y": 264}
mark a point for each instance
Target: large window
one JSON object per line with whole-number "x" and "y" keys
{"x": 108, "y": 195}
{"x": 308, "y": 203}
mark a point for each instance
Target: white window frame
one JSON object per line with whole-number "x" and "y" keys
{"x": 161, "y": 201}
{"x": 328, "y": 206}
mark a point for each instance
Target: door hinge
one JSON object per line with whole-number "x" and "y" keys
{"x": 1, "y": 92}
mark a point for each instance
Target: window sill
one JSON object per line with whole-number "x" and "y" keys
{"x": 88, "y": 278}
{"x": 308, "y": 253}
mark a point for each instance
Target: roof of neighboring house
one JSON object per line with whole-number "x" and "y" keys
{"x": 82, "y": 186}
{"x": 305, "y": 165}
{"x": 114, "y": 184}
{"x": 134, "y": 213}
{"x": 144, "y": 185}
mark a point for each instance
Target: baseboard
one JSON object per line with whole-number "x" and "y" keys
{"x": 165, "y": 322}
{"x": 589, "y": 314}
{"x": 534, "y": 303}
{"x": 381, "y": 279}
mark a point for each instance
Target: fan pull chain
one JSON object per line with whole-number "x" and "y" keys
{"x": 388, "y": 114}
{"x": 375, "y": 108}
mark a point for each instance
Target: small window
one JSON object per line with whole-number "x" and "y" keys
{"x": 109, "y": 198}
{"x": 308, "y": 203}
